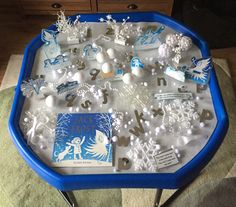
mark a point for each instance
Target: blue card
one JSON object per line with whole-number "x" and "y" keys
{"x": 81, "y": 140}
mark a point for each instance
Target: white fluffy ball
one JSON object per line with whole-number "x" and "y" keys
{"x": 78, "y": 76}
{"x": 51, "y": 101}
{"x": 100, "y": 57}
{"x": 107, "y": 67}
{"x": 137, "y": 72}
{"x": 128, "y": 78}
{"x": 171, "y": 40}
{"x": 164, "y": 51}
{"x": 111, "y": 53}
{"x": 185, "y": 43}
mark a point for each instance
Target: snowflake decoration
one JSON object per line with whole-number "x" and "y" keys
{"x": 137, "y": 96}
{"x": 32, "y": 85}
{"x": 74, "y": 29}
{"x": 123, "y": 31}
{"x": 143, "y": 153}
{"x": 179, "y": 113}
{"x": 39, "y": 124}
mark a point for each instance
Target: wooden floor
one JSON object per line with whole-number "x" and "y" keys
{"x": 16, "y": 31}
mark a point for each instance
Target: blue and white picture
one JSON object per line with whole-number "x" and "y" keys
{"x": 82, "y": 140}
{"x": 51, "y": 47}
{"x": 150, "y": 39}
{"x": 200, "y": 70}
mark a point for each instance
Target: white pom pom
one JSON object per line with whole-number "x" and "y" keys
{"x": 127, "y": 78}
{"x": 137, "y": 72}
{"x": 107, "y": 67}
{"x": 185, "y": 43}
{"x": 164, "y": 51}
{"x": 50, "y": 101}
{"x": 111, "y": 53}
{"x": 100, "y": 57}
{"x": 78, "y": 76}
{"x": 171, "y": 40}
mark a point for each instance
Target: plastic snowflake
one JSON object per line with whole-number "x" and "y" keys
{"x": 179, "y": 113}
{"x": 32, "y": 85}
{"x": 74, "y": 29}
{"x": 143, "y": 153}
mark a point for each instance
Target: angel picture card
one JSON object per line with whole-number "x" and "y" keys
{"x": 81, "y": 140}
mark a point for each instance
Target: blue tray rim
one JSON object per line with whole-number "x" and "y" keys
{"x": 125, "y": 180}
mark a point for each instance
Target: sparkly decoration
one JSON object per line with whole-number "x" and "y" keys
{"x": 142, "y": 153}
{"x": 200, "y": 71}
{"x": 39, "y": 127}
{"x": 150, "y": 39}
{"x": 65, "y": 87}
{"x": 32, "y": 85}
{"x": 122, "y": 31}
{"x": 90, "y": 52}
{"x": 58, "y": 62}
{"x": 164, "y": 52}
{"x": 135, "y": 96}
{"x": 75, "y": 30}
{"x": 179, "y": 114}
{"x": 51, "y": 47}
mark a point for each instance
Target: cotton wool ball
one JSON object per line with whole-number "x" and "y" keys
{"x": 127, "y": 78}
{"x": 172, "y": 40}
{"x": 78, "y": 76}
{"x": 164, "y": 51}
{"x": 185, "y": 43}
{"x": 111, "y": 53}
{"x": 100, "y": 57}
{"x": 107, "y": 67}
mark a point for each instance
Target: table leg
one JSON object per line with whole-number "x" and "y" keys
{"x": 69, "y": 197}
{"x": 157, "y": 198}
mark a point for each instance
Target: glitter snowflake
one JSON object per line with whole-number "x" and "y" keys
{"x": 32, "y": 85}
{"x": 142, "y": 153}
{"x": 137, "y": 96}
{"x": 179, "y": 113}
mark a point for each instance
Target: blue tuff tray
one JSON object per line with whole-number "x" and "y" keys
{"x": 140, "y": 180}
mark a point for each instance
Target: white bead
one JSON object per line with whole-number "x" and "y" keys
{"x": 127, "y": 78}
{"x": 70, "y": 109}
{"x": 125, "y": 126}
{"x": 202, "y": 124}
{"x": 100, "y": 57}
{"x": 110, "y": 110}
{"x": 50, "y": 101}
{"x": 111, "y": 53}
{"x": 129, "y": 122}
{"x": 145, "y": 110}
{"x": 145, "y": 84}
{"x": 26, "y": 119}
{"x": 132, "y": 137}
{"x": 114, "y": 138}
{"x": 189, "y": 131}
{"x": 77, "y": 109}
{"x": 107, "y": 67}
{"x": 89, "y": 108}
